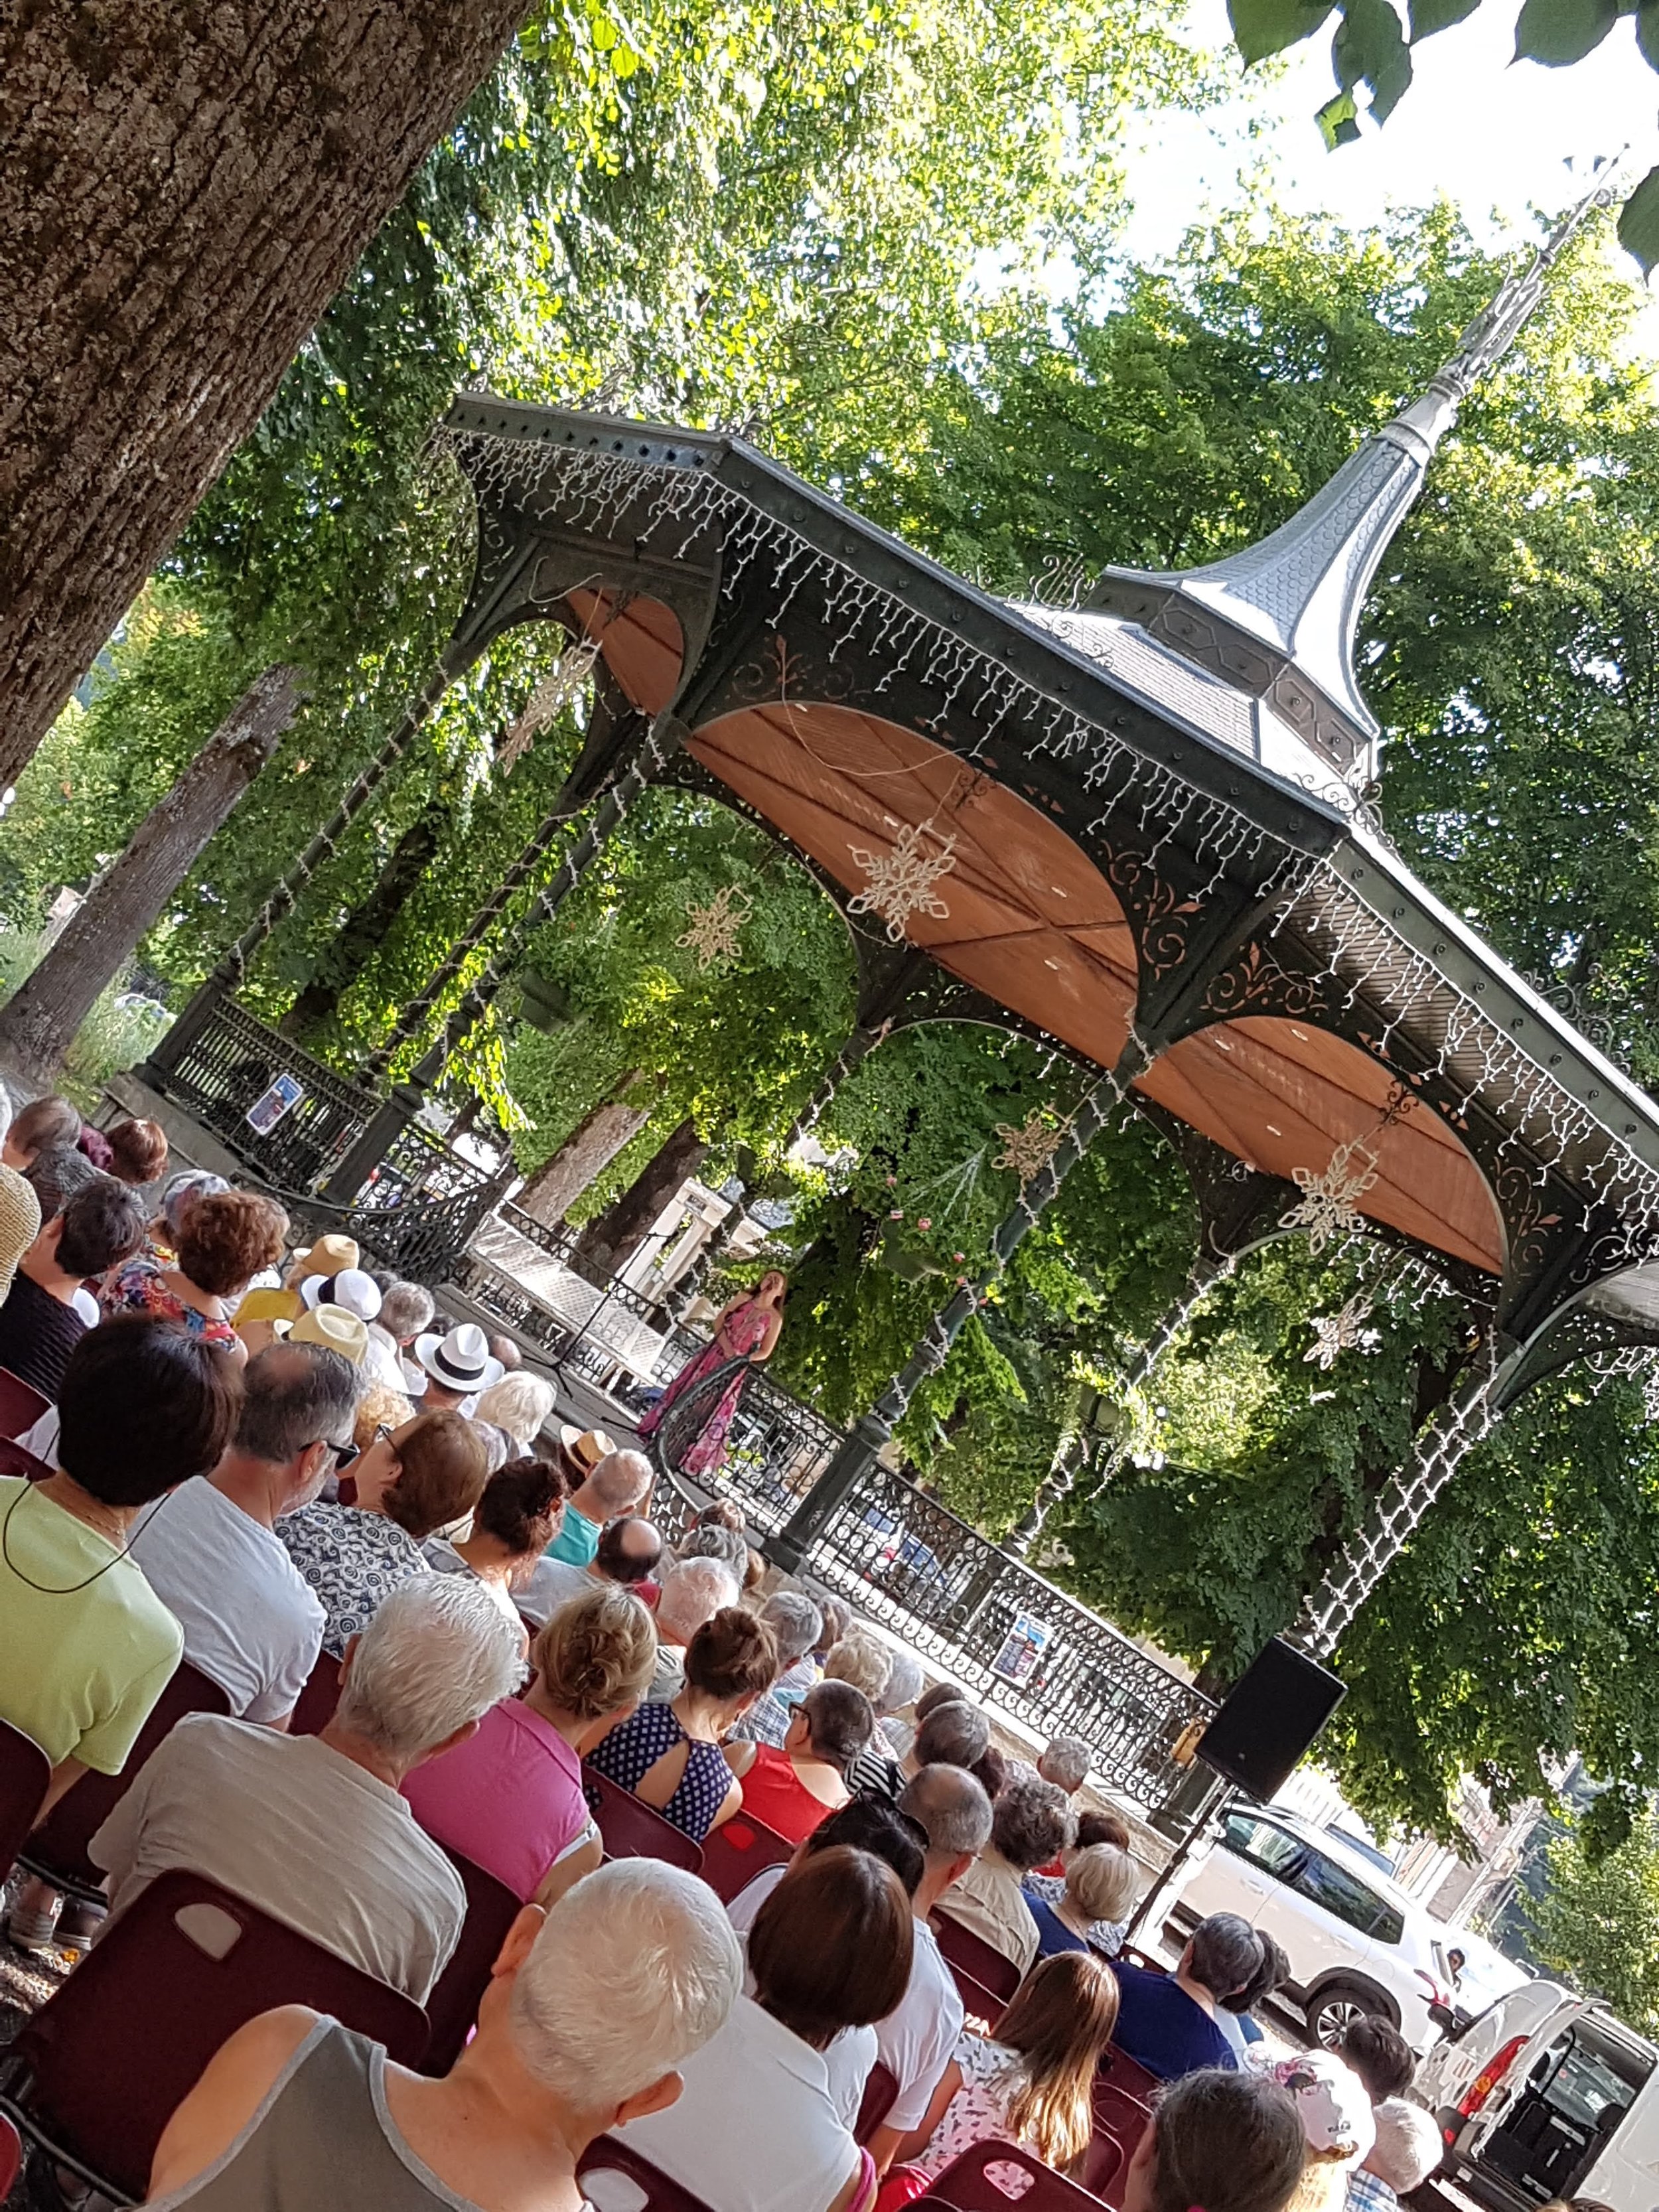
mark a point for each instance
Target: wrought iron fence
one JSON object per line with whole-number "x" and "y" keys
{"x": 227, "y": 1067}
{"x": 573, "y": 1332}
{"x": 557, "y": 1243}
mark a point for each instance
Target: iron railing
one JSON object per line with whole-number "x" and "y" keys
{"x": 906, "y": 1561}
{"x": 573, "y": 1325}
{"x": 227, "y": 1062}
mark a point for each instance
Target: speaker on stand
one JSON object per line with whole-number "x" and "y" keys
{"x": 1255, "y": 1739}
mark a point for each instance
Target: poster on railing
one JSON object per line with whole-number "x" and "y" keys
{"x": 267, "y": 1110}
{"x": 1023, "y": 1645}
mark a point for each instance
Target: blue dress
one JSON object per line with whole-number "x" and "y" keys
{"x": 1161, "y": 2028}
{"x": 628, "y": 1754}
{"x": 1053, "y": 1935}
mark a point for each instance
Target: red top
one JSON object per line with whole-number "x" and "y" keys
{"x": 774, "y": 1793}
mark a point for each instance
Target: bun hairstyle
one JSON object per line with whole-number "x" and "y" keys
{"x": 597, "y": 1654}
{"x": 520, "y": 1504}
{"x": 732, "y": 1655}
{"x": 840, "y": 1722}
{"x": 1225, "y": 2141}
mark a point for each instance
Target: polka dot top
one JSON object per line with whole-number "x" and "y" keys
{"x": 627, "y": 1755}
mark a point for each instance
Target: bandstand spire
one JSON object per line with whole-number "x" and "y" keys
{"x": 1278, "y": 620}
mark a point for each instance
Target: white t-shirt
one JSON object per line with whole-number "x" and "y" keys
{"x": 251, "y": 1621}
{"x": 919, "y": 2037}
{"x": 847, "y": 2061}
{"x": 756, "y": 2130}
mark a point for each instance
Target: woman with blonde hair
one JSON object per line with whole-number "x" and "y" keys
{"x": 1099, "y": 1890}
{"x": 520, "y": 1403}
{"x": 1034, "y": 2083}
{"x": 510, "y": 1797}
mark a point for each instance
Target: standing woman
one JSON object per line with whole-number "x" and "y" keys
{"x": 747, "y": 1330}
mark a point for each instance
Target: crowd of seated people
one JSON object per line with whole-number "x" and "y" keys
{"x": 258, "y": 1507}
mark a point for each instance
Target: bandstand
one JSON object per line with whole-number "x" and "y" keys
{"x": 1135, "y": 828}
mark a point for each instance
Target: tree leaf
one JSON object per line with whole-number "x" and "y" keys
{"x": 1370, "y": 48}
{"x": 1639, "y": 222}
{"x": 1261, "y": 28}
{"x": 1558, "y": 31}
{"x": 1336, "y": 121}
{"x": 1429, "y": 17}
{"x": 1647, "y": 32}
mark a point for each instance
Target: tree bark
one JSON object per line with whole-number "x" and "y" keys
{"x": 184, "y": 190}
{"x": 39, "y": 1021}
{"x": 586, "y": 1153}
{"x": 610, "y": 1236}
{"x": 364, "y": 929}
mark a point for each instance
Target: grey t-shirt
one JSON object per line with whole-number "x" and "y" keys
{"x": 554, "y": 1584}
{"x": 306, "y": 1835}
{"x": 251, "y": 1622}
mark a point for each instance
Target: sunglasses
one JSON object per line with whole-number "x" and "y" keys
{"x": 346, "y": 1453}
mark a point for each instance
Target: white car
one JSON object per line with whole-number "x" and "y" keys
{"x": 1357, "y": 1943}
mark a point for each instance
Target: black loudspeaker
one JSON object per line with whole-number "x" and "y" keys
{"x": 1278, "y": 1707}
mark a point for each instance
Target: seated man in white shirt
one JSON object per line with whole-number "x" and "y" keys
{"x": 250, "y": 1620}
{"x": 693, "y": 1591}
{"x": 312, "y": 1829}
{"x": 1032, "y": 1825}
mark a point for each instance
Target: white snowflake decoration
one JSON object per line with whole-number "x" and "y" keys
{"x": 714, "y": 929}
{"x": 900, "y": 882}
{"x": 1327, "y": 1208}
{"x": 555, "y": 691}
{"x": 1027, "y": 1149}
{"x": 1342, "y": 1331}
{"x": 1650, "y": 1391}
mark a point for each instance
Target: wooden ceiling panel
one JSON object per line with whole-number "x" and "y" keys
{"x": 643, "y": 645}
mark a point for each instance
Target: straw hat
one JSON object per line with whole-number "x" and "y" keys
{"x": 584, "y": 1448}
{"x": 352, "y": 1289}
{"x": 460, "y": 1361}
{"x": 334, "y": 1328}
{"x": 327, "y": 1256}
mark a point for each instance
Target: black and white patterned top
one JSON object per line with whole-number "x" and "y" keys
{"x": 352, "y": 1560}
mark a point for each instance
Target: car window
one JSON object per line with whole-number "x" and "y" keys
{"x": 1262, "y": 1844}
{"x": 1340, "y": 1892}
{"x": 1390, "y": 1925}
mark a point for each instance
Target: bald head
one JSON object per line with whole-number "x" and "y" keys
{"x": 953, "y": 1810}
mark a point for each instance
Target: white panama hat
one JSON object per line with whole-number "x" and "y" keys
{"x": 460, "y": 1361}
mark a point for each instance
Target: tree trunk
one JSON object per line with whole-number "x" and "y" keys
{"x": 40, "y": 1020}
{"x": 364, "y": 929}
{"x": 184, "y": 191}
{"x": 610, "y": 1236}
{"x": 586, "y": 1153}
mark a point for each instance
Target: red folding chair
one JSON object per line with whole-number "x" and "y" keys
{"x": 11, "y": 2157}
{"x": 315, "y": 1708}
{"x": 452, "y": 2009}
{"x": 57, "y": 1850}
{"x": 990, "y": 1968}
{"x": 734, "y": 1854}
{"x": 631, "y": 1829}
{"x": 13, "y": 1460}
{"x": 609, "y": 2155}
{"x": 98, "y": 2072}
{"x": 1120, "y": 2120}
{"x": 1129, "y": 2075}
{"x": 879, "y": 2092}
{"x": 25, "y": 1776}
{"x": 1105, "y": 2167}
{"x": 966, "y": 2185}
{"x": 20, "y": 1404}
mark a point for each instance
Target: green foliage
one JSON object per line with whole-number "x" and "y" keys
{"x": 120, "y": 1028}
{"x": 1597, "y": 1923}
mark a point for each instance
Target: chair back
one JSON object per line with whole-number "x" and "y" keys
{"x": 1105, "y": 2165}
{"x": 610, "y": 2156}
{"x": 1129, "y": 2075}
{"x": 13, "y": 1460}
{"x": 58, "y": 1849}
{"x": 734, "y": 1853}
{"x": 20, "y": 1404}
{"x": 315, "y": 1708}
{"x": 631, "y": 1829}
{"x": 879, "y": 2092}
{"x": 111, "y": 2054}
{"x": 11, "y": 2157}
{"x": 991, "y": 1969}
{"x": 452, "y": 2009}
{"x": 25, "y": 1775}
{"x": 1119, "y": 2120}
{"x": 967, "y": 2185}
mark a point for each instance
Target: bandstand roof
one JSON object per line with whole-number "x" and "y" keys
{"x": 1160, "y": 858}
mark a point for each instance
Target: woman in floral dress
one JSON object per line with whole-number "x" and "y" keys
{"x": 748, "y": 1330}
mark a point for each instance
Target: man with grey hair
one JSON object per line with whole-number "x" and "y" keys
{"x": 918, "y": 2038}
{"x": 956, "y": 1734}
{"x": 406, "y": 1311}
{"x": 252, "y": 1622}
{"x": 1407, "y": 2151}
{"x": 1065, "y": 1762}
{"x": 619, "y": 1483}
{"x": 587, "y": 2016}
{"x": 1032, "y": 1825}
{"x": 312, "y": 1829}
{"x": 797, "y": 1624}
{"x": 693, "y": 1591}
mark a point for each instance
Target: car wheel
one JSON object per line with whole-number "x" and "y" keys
{"x": 1336, "y": 2009}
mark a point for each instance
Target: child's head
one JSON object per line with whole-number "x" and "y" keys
{"x": 1219, "y": 2141}
{"x": 1407, "y": 2149}
{"x": 1380, "y": 2056}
